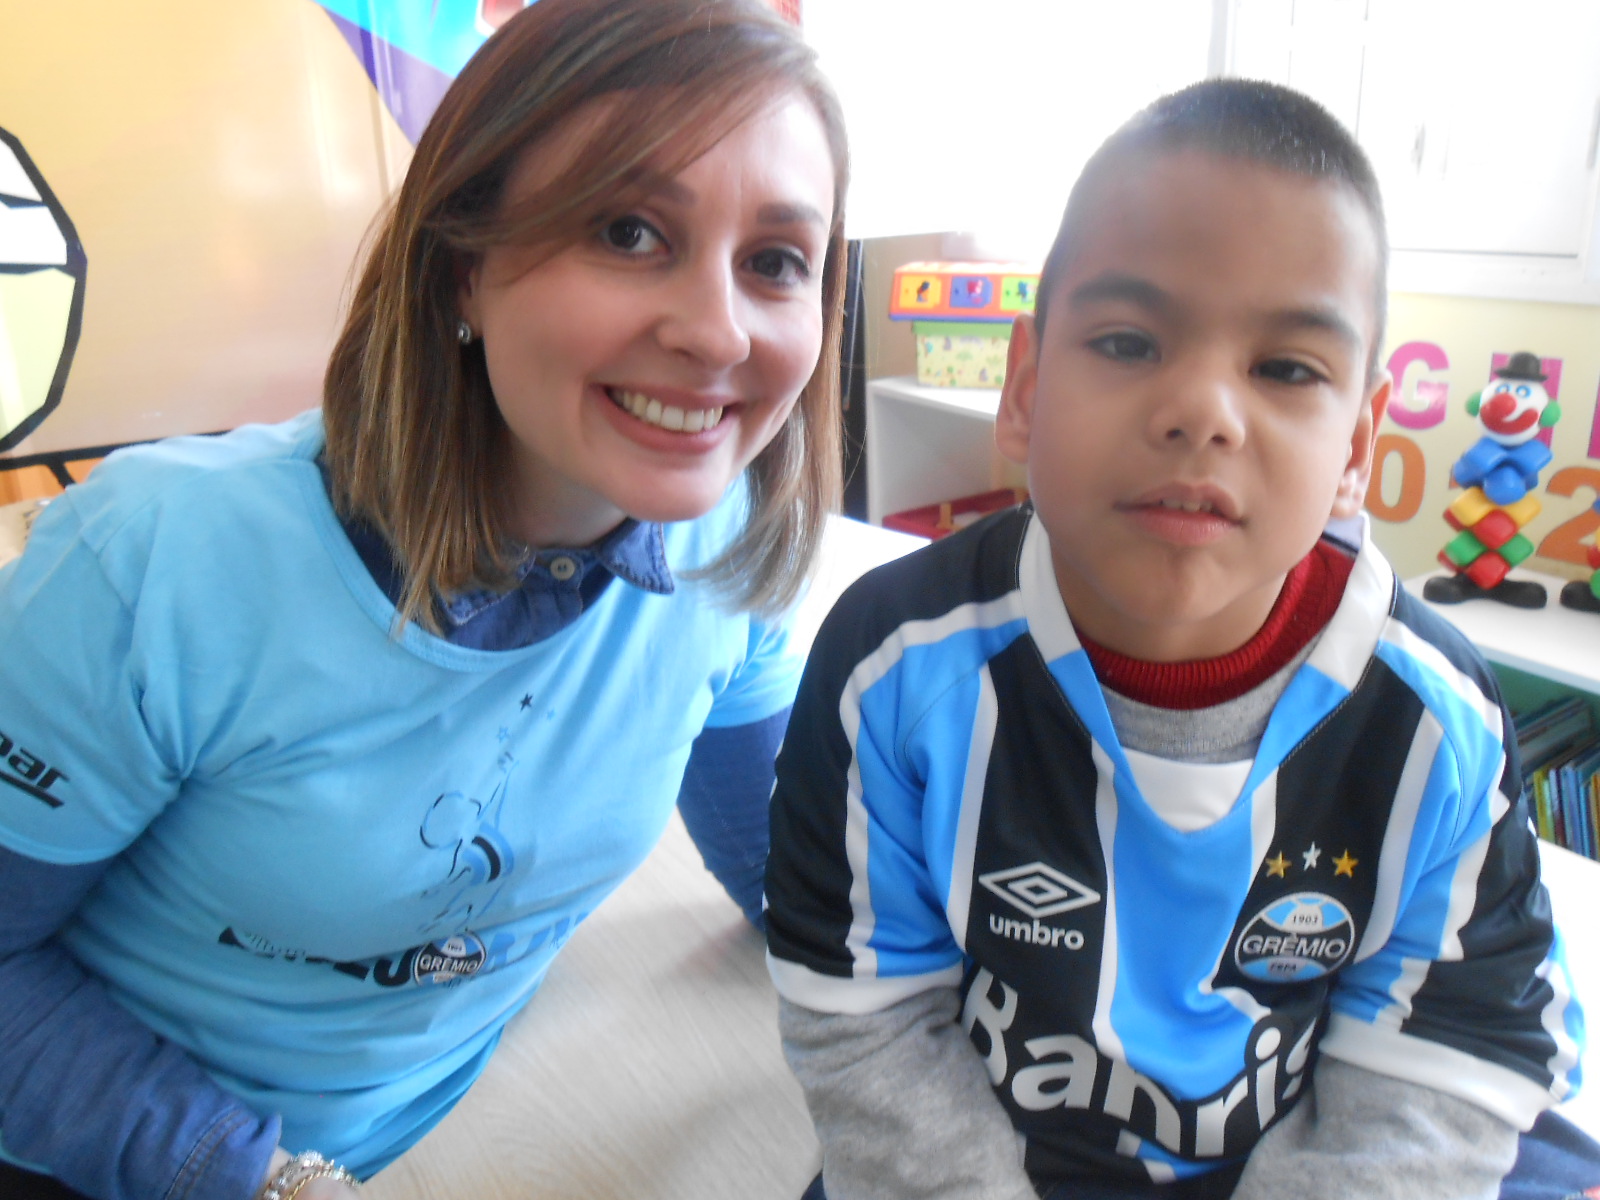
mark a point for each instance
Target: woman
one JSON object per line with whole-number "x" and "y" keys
{"x": 324, "y": 736}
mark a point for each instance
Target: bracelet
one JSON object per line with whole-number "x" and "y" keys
{"x": 300, "y": 1170}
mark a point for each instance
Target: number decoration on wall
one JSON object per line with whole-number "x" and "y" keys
{"x": 1567, "y": 541}
{"x": 42, "y": 272}
{"x": 1498, "y": 472}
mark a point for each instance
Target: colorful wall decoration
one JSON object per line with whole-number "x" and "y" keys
{"x": 412, "y": 49}
{"x": 1441, "y": 350}
{"x": 42, "y": 269}
{"x": 212, "y": 169}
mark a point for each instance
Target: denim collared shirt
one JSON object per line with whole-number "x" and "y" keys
{"x": 555, "y": 586}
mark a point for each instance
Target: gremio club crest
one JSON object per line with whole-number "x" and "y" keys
{"x": 1297, "y": 938}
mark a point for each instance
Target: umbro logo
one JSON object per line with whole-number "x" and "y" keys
{"x": 1039, "y": 890}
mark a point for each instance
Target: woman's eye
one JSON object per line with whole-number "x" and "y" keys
{"x": 1287, "y": 370}
{"x": 781, "y": 266}
{"x": 632, "y": 235}
{"x": 1125, "y": 346}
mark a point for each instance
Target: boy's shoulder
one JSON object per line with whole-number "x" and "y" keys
{"x": 974, "y": 565}
{"x": 1426, "y": 633}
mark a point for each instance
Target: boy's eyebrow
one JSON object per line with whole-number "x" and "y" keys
{"x": 1141, "y": 292}
{"x": 1114, "y": 285}
{"x": 1326, "y": 318}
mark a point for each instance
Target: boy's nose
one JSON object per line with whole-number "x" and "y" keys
{"x": 1202, "y": 408}
{"x": 703, "y": 318}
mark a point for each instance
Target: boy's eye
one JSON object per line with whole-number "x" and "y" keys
{"x": 1288, "y": 370}
{"x": 632, "y": 235}
{"x": 1125, "y": 346}
{"x": 781, "y": 266}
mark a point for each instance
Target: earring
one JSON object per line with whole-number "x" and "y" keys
{"x": 464, "y": 333}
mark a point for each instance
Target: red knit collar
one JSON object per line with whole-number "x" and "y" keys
{"x": 1311, "y": 593}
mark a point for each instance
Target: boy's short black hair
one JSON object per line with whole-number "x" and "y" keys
{"x": 1237, "y": 118}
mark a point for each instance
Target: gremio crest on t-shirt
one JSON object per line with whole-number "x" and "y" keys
{"x": 1296, "y": 938}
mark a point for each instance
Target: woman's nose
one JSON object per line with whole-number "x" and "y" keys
{"x": 705, "y": 317}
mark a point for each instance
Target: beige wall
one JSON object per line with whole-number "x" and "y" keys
{"x": 221, "y": 162}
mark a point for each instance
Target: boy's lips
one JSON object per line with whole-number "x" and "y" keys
{"x": 1184, "y": 514}
{"x": 1188, "y": 498}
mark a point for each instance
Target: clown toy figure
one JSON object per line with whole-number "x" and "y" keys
{"x": 1498, "y": 473}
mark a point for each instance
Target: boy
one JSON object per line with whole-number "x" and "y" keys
{"x": 1144, "y": 840}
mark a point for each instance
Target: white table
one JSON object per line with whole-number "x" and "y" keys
{"x": 1555, "y": 642}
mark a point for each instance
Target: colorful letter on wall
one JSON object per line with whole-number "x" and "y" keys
{"x": 1432, "y": 394}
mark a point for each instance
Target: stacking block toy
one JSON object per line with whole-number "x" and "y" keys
{"x": 1497, "y": 473}
{"x": 961, "y": 314}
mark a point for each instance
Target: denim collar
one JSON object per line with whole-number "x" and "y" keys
{"x": 554, "y": 586}
{"x": 634, "y": 552}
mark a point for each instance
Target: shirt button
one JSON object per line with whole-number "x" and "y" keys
{"x": 563, "y": 568}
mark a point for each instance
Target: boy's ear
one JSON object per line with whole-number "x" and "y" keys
{"x": 1013, "y": 424}
{"x": 1352, "y": 493}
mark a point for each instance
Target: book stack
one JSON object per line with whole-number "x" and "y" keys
{"x": 1560, "y": 752}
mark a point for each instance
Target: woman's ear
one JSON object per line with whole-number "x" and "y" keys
{"x": 1013, "y": 424}
{"x": 467, "y": 270}
{"x": 1352, "y": 494}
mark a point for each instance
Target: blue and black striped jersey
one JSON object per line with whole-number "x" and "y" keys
{"x": 953, "y": 809}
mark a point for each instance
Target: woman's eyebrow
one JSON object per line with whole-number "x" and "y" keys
{"x": 779, "y": 212}
{"x": 790, "y": 214}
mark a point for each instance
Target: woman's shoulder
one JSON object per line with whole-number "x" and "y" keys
{"x": 196, "y": 479}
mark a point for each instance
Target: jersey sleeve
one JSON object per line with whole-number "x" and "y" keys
{"x": 1459, "y": 983}
{"x": 854, "y": 919}
{"x": 83, "y": 767}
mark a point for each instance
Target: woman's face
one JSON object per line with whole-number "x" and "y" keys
{"x": 642, "y": 369}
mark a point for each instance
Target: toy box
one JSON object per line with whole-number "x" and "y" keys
{"x": 961, "y": 315}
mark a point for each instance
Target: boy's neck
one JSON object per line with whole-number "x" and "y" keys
{"x": 1310, "y": 594}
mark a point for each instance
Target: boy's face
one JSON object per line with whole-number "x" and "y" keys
{"x": 1197, "y": 406}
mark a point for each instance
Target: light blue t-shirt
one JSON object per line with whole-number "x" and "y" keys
{"x": 346, "y": 859}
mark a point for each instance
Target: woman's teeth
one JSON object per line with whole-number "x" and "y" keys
{"x": 1190, "y": 506}
{"x": 666, "y": 416}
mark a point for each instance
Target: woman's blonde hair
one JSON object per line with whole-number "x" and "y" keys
{"x": 416, "y": 446}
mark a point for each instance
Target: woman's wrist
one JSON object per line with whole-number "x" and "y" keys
{"x": 288, "y": 1175}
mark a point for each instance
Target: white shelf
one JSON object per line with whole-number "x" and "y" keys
{"x": 926, "y": 444}
{"x": 1554, "y": 642}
